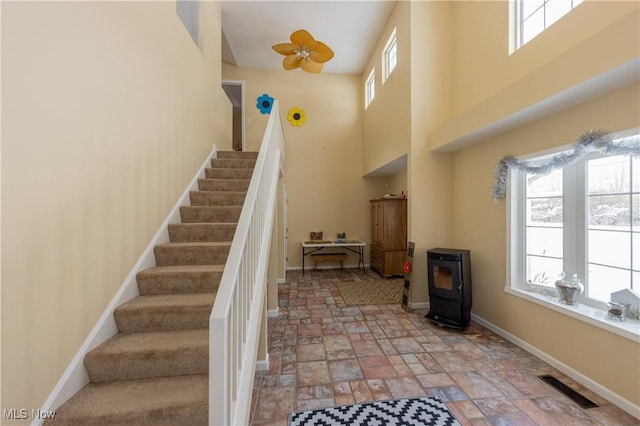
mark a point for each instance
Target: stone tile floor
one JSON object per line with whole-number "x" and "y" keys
{"x": 324, "y": 353}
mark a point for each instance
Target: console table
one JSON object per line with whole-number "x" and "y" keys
{"x": 355, "y": 246}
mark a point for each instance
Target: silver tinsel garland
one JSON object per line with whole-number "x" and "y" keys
{"x": 591, "y": 141}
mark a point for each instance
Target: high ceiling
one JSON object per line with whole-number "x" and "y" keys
{"x": 350, "y": 28}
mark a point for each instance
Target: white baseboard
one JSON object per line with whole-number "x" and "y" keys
{"x": 273, "y": 313}
{"x": 311, "y": 268}
{"x": 263, "y": 365}
{"x": 75, "y": 376}
{"x": 587, "y": 382}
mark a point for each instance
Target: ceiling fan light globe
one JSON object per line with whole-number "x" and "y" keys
{"x": 303, "y": 53}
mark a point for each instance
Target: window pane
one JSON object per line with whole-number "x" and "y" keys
{"x": 543, "y": 270}
{"x": 370, "y": 88}
{"x": 544, "y": 241}
{"x": 609, "y": 175}
{"x": 610, "y": 248}
{"x": 610, "y": 211}
{"x": 536, "y": 15}
{"x": 556, "y": 9}
{"x": 529, "y": 6}
{"x": 603, "y": 281}
{"x": 636, "y": 211}
{"x": 544, "y": 211}
{"x": 636, "y": 174}
{"x": 391, "y": 58}
{"x": 533, "y": 26}
{"x": 636, "y": 253}
{"x": 547, "y": 185}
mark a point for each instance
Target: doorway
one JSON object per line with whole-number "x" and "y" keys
{"x": 235, "y": 92}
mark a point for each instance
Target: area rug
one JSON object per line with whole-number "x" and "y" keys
{"x": 426, "y": 411}
{"x": 381, "y": 292}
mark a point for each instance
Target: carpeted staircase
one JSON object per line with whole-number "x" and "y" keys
{"x": 155, "y": 370}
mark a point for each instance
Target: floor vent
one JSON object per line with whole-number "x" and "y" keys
{"x": 581, "y": 400}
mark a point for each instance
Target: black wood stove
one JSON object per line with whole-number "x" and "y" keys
{"x": 449, "y": 278}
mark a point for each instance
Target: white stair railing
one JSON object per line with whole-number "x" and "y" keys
{"x": 235, "y": 321}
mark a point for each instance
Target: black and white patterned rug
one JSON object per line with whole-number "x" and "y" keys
{"x": 426, "y": 411}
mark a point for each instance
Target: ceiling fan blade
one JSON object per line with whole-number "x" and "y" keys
{"x": 322, "y": 53}
{"x": 310, "y": 66}
{"x": 303, "y": 38}
{"x": 291, "y": 62}
{"x": 286, "y": 48}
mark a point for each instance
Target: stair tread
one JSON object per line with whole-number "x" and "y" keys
{"x": 235, "y": 168}
{"x": 169, "y": 301}
{"x": 211, "y": 224}
{"x": 238, "y": 153}
{"x": 225, "y": 193}
{"x": 217, "y": 198}
{"x": 179, "y": 279}
{"x": 171, "y": 269}
{"x": 130, "y": 401}
{"x": 225, "y": 180}
{"x": 212, "y": 208}
{"x": 196, "y": 243}
{"x": 153, "y": 342}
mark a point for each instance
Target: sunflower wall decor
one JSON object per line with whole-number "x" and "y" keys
{"x": 296, "y": 117}
{"x": 264, "y": 103}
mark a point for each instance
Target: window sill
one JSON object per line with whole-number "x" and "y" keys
{"x": 628, "y": 329}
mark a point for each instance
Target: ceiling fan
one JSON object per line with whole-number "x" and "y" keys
{"x": 304, "y": 52}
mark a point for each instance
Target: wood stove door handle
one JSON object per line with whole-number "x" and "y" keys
{"x": 460, "y": 285}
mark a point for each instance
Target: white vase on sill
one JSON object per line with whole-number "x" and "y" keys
{"x": 569, "y": 288}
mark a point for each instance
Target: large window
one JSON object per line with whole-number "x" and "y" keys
{"x": 370, "y": 88}
{"x": 389, "y": 56}
{"x": 581, "y": 219}
{"x": 613, "y": 225}
{"x": 544, "y": 237}
{"x": 534, "y": 16}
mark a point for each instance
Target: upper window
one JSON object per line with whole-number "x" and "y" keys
{"x": 389, "y": 56}
{"x": 189, "y": 13}
{"x": 370, "y": 88}
{"x": 582, "y": 219}
{"x": 534, "y": 16}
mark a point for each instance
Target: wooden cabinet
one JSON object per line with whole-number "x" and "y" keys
{"x": 388, "y": 235}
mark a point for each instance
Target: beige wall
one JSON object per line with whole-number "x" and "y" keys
{"x": 462, "y": 77}
{"x": 480, "y": 225}
{"x": 483, "y": 66}
{"x": 549, "y": 72}
{"x": 108, "y": 110}
{"x": 387, "y": 120}
{"x": 430, "y": 174}
{"x": 413, "y": 101}
{"x": 596, "y": 37}
{"x": 396, "y": 183}
{"x": 324, "y": 183}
